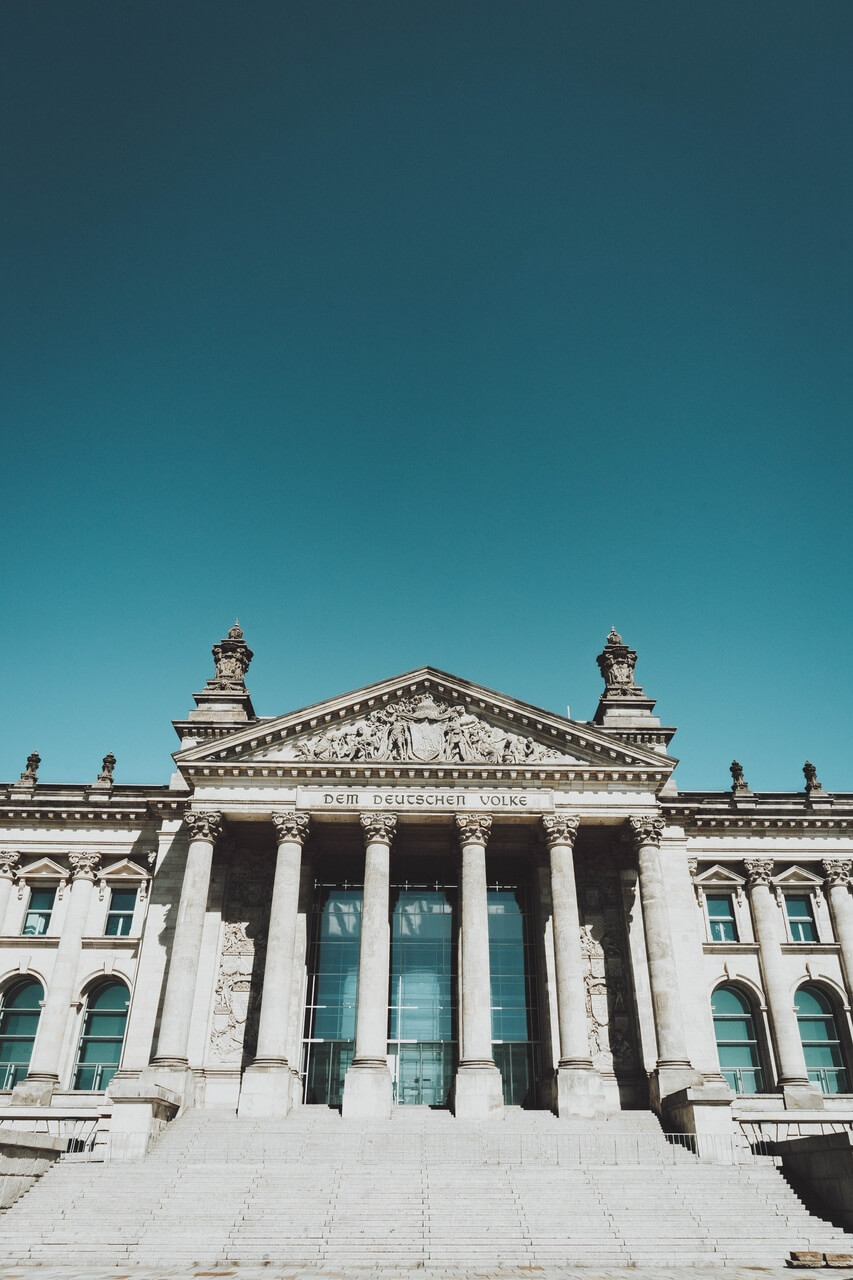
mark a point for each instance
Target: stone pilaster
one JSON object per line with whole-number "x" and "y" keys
{"x": 43, "y": 1076}
{"x": 9, "y": 859}
{"x": 367, "y": 1086}
{"x": 578, "y": 1090}
{"x": 478, "y": 1088}
{"x": 204, "y": 828}
{"x": 267, "y": 1082}
{"x": 839, "y": 873}
{"x": 798, "y": 1092}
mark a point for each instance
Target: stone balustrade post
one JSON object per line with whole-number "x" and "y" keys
{"x": 839, "y": 873}
{"x": 478, "y": 1088}
{"x": 790, "y": 1059}
{"x": 367, "y": 1086}
{"x": 205, "y": 827}
{"x": 43, "y": 1075}
{"x": 578, "y": 1088}
{"x": 9, "y": 859}
{"x": 267, "y": 1082}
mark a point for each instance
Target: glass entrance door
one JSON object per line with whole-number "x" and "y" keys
{"x": 422, "y": 1016}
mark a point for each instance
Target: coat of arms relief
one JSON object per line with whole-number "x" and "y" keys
{"x": 423, "y": 730}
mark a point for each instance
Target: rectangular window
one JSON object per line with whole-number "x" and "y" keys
{"x": 39, "y": 912}
{"x": 798, "y": 909}
{"x": 721, "y": 917}
{"x": 120, "y": 914}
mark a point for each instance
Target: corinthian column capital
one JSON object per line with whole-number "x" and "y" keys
{"x": 473, "y": 829}
{"x": 645, "y": 830}
{"x": 758, "y": 871}
{"x": 84, "y": 865}
{"x": 290, "y": 827}
{"x": 378, "y": 828}
{"x": 837, "y": 871}
{"x": 9, "y": 859}
{"x": 203, "y": 824}
{"x": 561, "y": 829}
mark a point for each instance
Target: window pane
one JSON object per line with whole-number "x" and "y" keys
{"x": 798, "y": 908}
{"x": 123, "y": 900}
{"x": 42, "y": 899}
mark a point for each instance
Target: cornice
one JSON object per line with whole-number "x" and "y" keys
{"x": 547, "y": 774}
{"x": 771, "y": 812}
{"x": 131, "y": 806}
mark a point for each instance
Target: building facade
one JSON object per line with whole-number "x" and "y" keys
{"x": 425, "y": 893}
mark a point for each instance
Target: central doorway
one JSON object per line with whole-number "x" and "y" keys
{"x": 422, "y": 1013}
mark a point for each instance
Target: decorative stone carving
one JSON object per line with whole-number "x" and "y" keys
{"x": 739, "y": 782}
{"x": 812, "y": 780}
{"x": 9, "y": 859}
{"x": 838, "y": 871}
{"x": 232, "y": 657}
{"x": 692, "y": 866}
{"x": 421, "y": 730}
{"x": 290, "y": 826}
{"x": 239, "y": 980}
{"x": 645, "y": 831}
{"x": 616, "y": 663}
{"x": 608, "y": 999}
{"x": 108, "y": 764}
{"x": 758, "y": 870}
{"x": 378, "y": 828}
{"x": 561, "y": 830}
{"x": 473, "y": 829}
{"x": 203, "y": 824}
{"x": 84, "y": 865}
{"x": 30, "y": 775}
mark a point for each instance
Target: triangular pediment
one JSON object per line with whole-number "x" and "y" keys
{"x": 797, "y": 877}
{"x": 43, "y": 869}
{"x": 425, "y": 718}
{"x": 124, "y": 870}
{"x": 719, "y": 877}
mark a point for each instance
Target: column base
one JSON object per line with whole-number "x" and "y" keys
{"x": 368, "y": 1094}
{"x": 578, "y": 1091}
{"x": 668, "y": 1078}
{"x": 265, "y": 1090}
{"x": 705, "y": 1110}
{"x": 34, "y": 1092}
{"x": 175, "y": 1077}
{"x": 477, "y": 1092}
{"x": 802, "y": 1095}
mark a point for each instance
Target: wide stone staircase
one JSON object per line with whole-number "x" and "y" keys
{"x": 420, "y": 1190}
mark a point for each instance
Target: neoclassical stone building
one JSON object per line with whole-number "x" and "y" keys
{"x": 424, "y": 893}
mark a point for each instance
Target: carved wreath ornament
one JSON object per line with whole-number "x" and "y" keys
{"x": 421, "y": 729}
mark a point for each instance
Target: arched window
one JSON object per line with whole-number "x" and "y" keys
{"x": 19, "y": 1021}
{"x": 821, "y": 1045}
{"x": 737, "y": 1043}
{"x": 103, "y": 1036}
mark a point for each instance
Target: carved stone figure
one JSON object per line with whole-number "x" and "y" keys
{"x": 108, "y": 764}
{"x": 739, "y": 782}
{"x": 233, "y": 1032}
{"x": 9, "y": 859}
{"x": 810, "y": 775}
{"x": 31, "y": 773}
{"x": 603, "y": 944}
{"x": 420, "y": 729}
{"x": 231, "y": 657}
{"x": 616, "y": 663}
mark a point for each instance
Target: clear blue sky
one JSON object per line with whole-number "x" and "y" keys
{"x": 427, "y": 332}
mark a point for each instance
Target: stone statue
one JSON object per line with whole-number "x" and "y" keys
{"x": 616, "y": 663}
{"x": 31, "y": 773}
{"x": 739, "y": 782}
{"x": 810, "y": 775}
{"x": 108, "y": 764}
{"x": 232, "y": 657}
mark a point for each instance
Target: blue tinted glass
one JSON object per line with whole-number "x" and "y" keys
{"x": 719, "y": 905}
{"x": 798, "y": 908}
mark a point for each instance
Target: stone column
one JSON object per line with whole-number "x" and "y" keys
{"x": 674, "y": 1070}
{"x": 790, "y": 1059}
{"x": 266, "y": 1085}
{"x": 367, "y": 1086}
{"x": 478, "y": 1089}
{"x": 9, "y": 859}
{"x": 578, "y": 1088}
{"x": 838, "y": 877}
{"x": 205, "y": 827}
{"x": 43, "y": 1076}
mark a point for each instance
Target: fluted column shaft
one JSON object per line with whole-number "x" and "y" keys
{"x": 374, "y": 952}
{"x": 838, "y": 876}
{"x": 9, "y": 859}
{"x": 274, "y": 1023}
{"x": 476, "y": 1012}
{"x": 560, "y": 833}
{"x": 663, "y": 976}
{"x": 47, "y": 1051}
{"x": 786, "y": 1034}
{"x": 173, "y": 1042}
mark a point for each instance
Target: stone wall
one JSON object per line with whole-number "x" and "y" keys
{"x": 822, "y": 1166}
{"x": 24, "y": 1157}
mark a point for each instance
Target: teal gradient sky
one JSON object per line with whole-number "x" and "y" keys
{"x": 426, "y": 332}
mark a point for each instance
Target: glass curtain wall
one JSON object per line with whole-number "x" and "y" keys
{"x": 515, "y": 1029}
{"x": 332, "y": 991}
{"x": 422, "y": 1044}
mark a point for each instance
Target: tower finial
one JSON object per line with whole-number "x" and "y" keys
{"x": 232, "y": 657}
{"x": 616, "y": 663}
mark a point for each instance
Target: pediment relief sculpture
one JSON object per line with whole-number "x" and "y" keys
{"x": 420, "y": 729}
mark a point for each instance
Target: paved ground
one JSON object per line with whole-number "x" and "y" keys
{"x": 283, "y": 1272}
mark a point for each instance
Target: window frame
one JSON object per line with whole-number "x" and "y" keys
{"x": 129, "y": 916}
{"x": 39, "y": 912}
{"x": 84, "y": 1039}
{"x": 10, "y": 1077}
{"x": 841, "y": 1039}
{"x": 757, "y": 1040}
{"x": 808, "y": 896}
{"x": 713, "y": 892}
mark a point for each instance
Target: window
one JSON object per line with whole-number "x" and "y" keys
{"x": 721, "y": 917}
{"x": 19, "y": 1019}
{"x": 120, "y": 914}
{"x": 737, "y": 1044}
{"x": 103, "y": 1036}
{"x": 39, "y": 911}
{"x": 798, "y": 909}
{"x": 821, "y": 1046}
